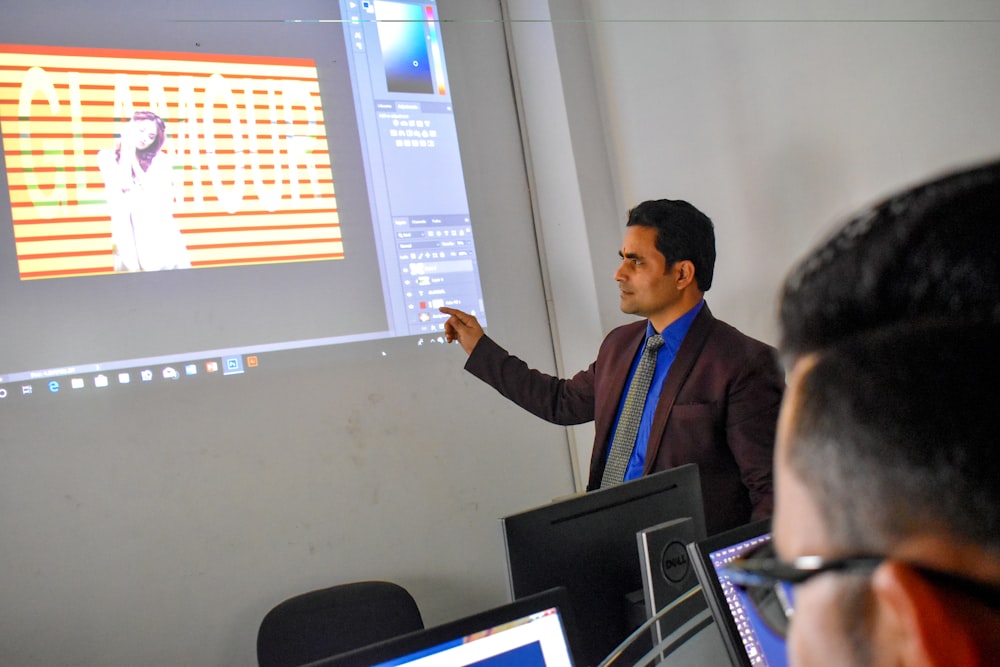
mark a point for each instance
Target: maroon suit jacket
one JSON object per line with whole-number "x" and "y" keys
{"x": 718, "y": 408}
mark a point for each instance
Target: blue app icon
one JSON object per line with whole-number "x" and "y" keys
{"x": 53, "y": 386}
{"x": 232, "y": 365}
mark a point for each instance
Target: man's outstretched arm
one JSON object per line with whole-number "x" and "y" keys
{"x": 551, "y": 398}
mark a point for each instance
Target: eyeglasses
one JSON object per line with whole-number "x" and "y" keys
{"x": 768, "y": 580}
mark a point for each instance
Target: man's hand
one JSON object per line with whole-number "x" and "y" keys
{"x": 462, "y": 327}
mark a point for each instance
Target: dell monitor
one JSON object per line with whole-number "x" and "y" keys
{"x": 587, "y": 543}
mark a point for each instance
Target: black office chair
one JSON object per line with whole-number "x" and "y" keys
{"x": 322, "y": 623}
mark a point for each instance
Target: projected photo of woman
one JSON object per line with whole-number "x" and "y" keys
{"x": 138, "y": 180}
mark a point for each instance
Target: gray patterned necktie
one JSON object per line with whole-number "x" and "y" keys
{"x": 628, "y": 422}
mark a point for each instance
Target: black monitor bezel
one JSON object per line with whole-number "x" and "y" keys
{"x": 412, "y": 642}
{"x": 700, "y": 553}
{"x": 533, "y": 566}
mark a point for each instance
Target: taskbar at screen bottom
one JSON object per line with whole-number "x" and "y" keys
{"x": 113, "y": 377}
{"x": 86, "y": 382}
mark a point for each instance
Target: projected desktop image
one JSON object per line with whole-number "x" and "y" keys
{"x": 145, "y": 191}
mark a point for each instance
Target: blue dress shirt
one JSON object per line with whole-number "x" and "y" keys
{"x": 673, "y": 335}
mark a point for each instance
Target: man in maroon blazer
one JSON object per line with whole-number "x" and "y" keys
{"x": 715, "y": 393}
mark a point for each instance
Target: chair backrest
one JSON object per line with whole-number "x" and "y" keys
{"x": 322, "y": 623}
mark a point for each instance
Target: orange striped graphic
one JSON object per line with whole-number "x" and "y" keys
{"x": 245, "y": 159}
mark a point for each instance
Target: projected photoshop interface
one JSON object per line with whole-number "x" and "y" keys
{"x": 412, "y": 161}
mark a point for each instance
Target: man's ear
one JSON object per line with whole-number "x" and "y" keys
{"x": 916, "y": 622}
{"x": 685, "y": 273}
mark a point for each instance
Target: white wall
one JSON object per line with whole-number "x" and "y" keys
{"x": 777, "y": 118}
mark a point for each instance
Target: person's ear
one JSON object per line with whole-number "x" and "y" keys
{"x": 915, "y": 622}
{"x": 685, "y": 273}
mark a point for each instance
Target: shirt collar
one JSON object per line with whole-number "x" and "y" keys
{"x": 674, "y": 332}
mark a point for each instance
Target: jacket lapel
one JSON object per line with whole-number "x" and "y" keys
{"x": 687, "y": 355}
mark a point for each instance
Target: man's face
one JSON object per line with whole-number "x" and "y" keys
{"x": 819, "y": 633}
{"x": 646, "y": 286}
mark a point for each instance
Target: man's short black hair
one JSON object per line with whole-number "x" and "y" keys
{"x": 931, "y": 250}
{"x": 896, "y": 434}
{"x": 682, "y": 233}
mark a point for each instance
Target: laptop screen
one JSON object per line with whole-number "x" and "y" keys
{"x": 527, "y": 633}
{"x": 535, "y": 640}
{"x": 750, "y": 641}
